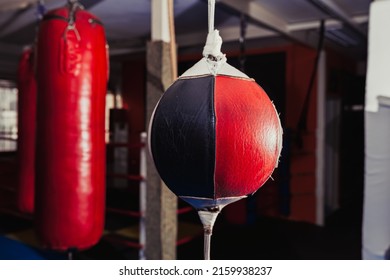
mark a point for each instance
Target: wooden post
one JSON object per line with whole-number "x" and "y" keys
{"x": 161, "y": 217}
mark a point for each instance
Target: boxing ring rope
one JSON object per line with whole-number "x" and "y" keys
{"x": 142, "y": 179}
{"x": 125, "y": 176}
{"x": 8, "y": 139}
{"x": 140, "y": 214}
{"x": 126, "y": 145}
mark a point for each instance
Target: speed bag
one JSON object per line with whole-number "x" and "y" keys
{"x": 27, "y": 94}
{"x": 70, "y": 164}
{"x": 215, "y": 138}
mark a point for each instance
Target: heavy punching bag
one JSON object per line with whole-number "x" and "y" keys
{"x": 70, "y": 167}
{"x": 27, "y": 94}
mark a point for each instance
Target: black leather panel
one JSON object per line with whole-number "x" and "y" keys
{"x": 183, "y": 137}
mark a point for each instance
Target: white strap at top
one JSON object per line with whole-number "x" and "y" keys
{"x": 211, "y": 15}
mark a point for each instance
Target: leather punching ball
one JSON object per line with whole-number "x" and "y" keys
{"x": 27, "y": 89}
{"x": 70, "y": 178}
{"x": 215, "y": 135}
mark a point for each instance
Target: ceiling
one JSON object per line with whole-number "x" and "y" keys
{"x": 270, "y": 22}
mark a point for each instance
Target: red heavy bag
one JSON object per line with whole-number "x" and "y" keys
{"x": 70, "y": 175}
{"x": 27, "y": 89}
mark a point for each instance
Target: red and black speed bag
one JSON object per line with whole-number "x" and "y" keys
{"x": 215, "y": 137}
{"x": 27, "y": 94}
{"x": 70, "y": 165}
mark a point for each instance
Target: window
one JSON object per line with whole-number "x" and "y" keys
{"x": 8, "y": 116}
{"x": 112, "y": 101}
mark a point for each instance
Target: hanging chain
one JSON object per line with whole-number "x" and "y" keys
{"x": 74, "y": 5}
{"x": 70, "y": 2}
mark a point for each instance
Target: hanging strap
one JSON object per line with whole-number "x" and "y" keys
{"x": 302, "y": 122}
{"x": 212, "y": 50}
{"x": 211, "y": 15}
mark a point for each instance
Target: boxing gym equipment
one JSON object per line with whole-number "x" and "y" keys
{"x": 215, "y": 136}
{"x": 72, "y": 73}
{"x": 140, "y": 230}
{"x": 27, "y": 89}
{"x": 141, "y": 178}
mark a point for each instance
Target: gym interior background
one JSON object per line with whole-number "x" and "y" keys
{"x": 312, "y": 209}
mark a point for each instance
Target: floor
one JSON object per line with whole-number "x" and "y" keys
{"x": 266, "y": 238}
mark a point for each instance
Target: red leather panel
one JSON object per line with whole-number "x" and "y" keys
{"x": 70, "y": 177}
{"x": 27, "y": 94}
{"x": 248, "y": 137}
